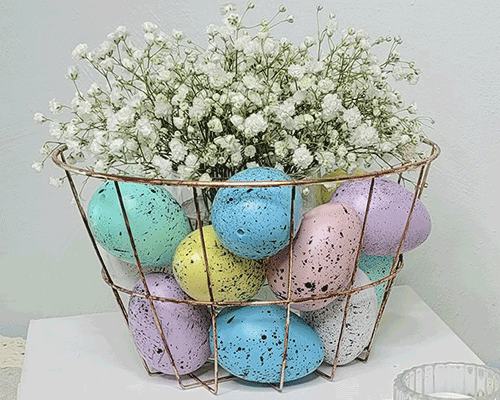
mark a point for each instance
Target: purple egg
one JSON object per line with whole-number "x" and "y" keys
{"x": 387, "y": 216}
{"x": 186, "y": 327}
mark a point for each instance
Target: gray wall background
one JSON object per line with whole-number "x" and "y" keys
{"x": 47, "y": 265}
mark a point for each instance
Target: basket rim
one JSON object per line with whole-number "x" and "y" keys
{"x": 59, "y": 160}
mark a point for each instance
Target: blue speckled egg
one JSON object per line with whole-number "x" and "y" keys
{"x": 361, "y": 317}
{"x": 157, "y": 222}
{"x": 185, "y": 327}
{"x": 250, "y": 342}
{"x": 255, "y": 222}
{"x": 376, "y": 267}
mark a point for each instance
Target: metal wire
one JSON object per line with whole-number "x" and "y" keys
{"x": 212, "y": 384}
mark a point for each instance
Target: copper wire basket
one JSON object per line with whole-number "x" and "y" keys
{"x": 192, "y": 380}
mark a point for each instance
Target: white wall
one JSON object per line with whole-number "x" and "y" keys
{"x": 46, "y": 262}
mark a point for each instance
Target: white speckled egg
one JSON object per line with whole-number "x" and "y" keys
{"x": 361, "y": 318}
{"x": 157, "y": 222}
{"x": 389, "y": 209}
{"x": 250, "y": 342}
{"x": 324, "y": 255}
{"x": 255, "y": 222}
{"x": 233, "y": 278}
{"x": 186, "y": 327}
{"x": 125, "y": 274}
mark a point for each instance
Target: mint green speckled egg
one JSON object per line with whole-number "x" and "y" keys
{"x": 157, "y": 222}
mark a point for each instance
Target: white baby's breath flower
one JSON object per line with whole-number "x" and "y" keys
{"x": 365, "y": 135}
{"x": 250, "y": 151}
{"x": 215, "y": 125}
{"x": 149, "y": 27}
{"x": 55, "y": 107}
{"x": 238, "y": 121}
{"x": 398, "y": 72}
{"x": 327, "y": 159}
{"x": 178, "y": 122}
{"x": 309, "y": 41}
{"x": 352, "y": 117}
{"x": 120, "y": 33}
{"x": 302, "y": 157}
{"x": 254, "y": 125}
{"x": 80, "y": 51}
{"x": 39, "y": 118}
{"x": 281, "y": 148}
{"x": 56, "y": 182}
{"x": 252, "y": 164}
{"x": 205, "y": 177}
{"x": 177, "y": 34}
{"x": 37, "y": 166}
{"x": 73, "y": 73}
{"x": 296, "y": 71}
{"x": 178, "y": 150}
{"x": 116, "y": 146}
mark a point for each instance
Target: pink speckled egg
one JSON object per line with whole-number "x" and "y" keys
{"x": 387, "y": 216}
{"x": 186, "y": 327}
{"x": 323, "y": 256}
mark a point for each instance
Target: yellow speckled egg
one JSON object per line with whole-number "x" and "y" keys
{"x": 233, "y": 278}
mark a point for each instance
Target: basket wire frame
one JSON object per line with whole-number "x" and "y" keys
{"x": 212, "y": 384}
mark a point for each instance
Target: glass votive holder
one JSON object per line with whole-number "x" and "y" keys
{"x": 450, "y": 380}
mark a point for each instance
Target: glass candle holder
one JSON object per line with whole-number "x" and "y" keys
{"x": 450, "y": 380}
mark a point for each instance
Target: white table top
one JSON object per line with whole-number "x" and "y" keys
{"x": 93, "y": 357}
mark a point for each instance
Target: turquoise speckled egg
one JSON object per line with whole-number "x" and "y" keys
{"x": 376, "y": 267}
{"x": 157, "y": 222}
{"x": 255, "y": 222}
{"x": 250, "y": 342}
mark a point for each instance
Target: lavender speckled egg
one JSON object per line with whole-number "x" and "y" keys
{"x": 376, "y": 267}
{"x": 324, "y": 255}
{"x": 233, "y": 278}
{"x": 255, "y": 222}
{"x": 387, "y": 216}
{"x": 361, "y": 318}
{"x": 186, "y": 327}
{"x": 250, "y": 342}
{"x": 157, "y": 222}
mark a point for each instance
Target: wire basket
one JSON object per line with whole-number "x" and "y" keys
{"x": 420, "y": 169}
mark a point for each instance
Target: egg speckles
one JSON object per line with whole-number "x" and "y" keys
{"x": 389, "y": 209}
{"x": 157, "y": 222}
{"x": 361, "y": 318}
{"x": 323, "y": 256}
{"x": 255, "y": 222}
{"x": 185, "y": 326}
{"x": 250, "y": 342}
{"x": 233, "y": 278}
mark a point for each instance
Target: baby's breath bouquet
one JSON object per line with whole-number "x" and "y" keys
{"x": 172, "y": 109}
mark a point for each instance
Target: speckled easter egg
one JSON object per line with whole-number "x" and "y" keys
{"x": 325, "y": 191}
{"x": 157, "y": 222}
{"x": 361, "y": 318}
{"x": 255, "y": 222}
{"x": 389, "y": 210}
{"x": 250, "y": 342}
{"x": 233, "y": 278}
{"x": 126, "y": 274}
{"x": 185, "y": 326}
{"x": 376, "y": 267}
{"x": 323, "y": 256}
